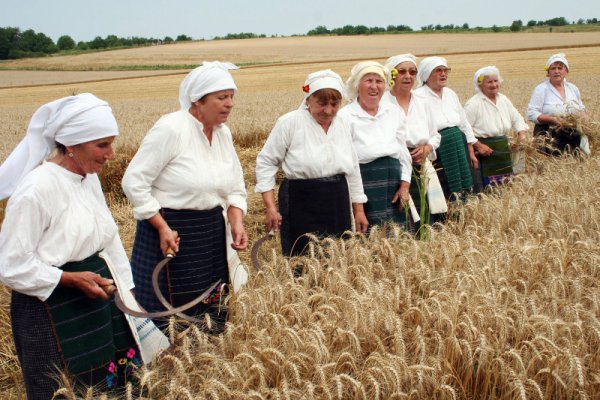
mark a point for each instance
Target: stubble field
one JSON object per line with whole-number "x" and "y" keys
{"x": 501, "y": 303}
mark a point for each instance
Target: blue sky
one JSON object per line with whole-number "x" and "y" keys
{"x": 84, "y": 19}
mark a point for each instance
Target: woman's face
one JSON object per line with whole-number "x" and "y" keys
{"x": 438, "y": 78}
{"x": 370, "y": 90}
{"x": 322, "y": 111}
{"x": 405, "y": 80}
{"x": 490, "y": 86}
{"x": 557, "y": 72}
{"x": 214, "y": 108}
{"x": 89, "y": 157}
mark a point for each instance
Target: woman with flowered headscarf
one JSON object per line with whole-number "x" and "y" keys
{"x": 186, "y": 177}
{"x": 422, "y": 137}
{"x": 492, "y": 116}
{"x": 60, "y": 246}
{"x": 378, "y": 134}
{"x": 551, "y": 102}
{"x": 322, "y": 178}
{"x": 453, "y": 159}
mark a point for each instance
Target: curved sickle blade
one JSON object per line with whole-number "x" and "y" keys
{"x": 256, "y": 247}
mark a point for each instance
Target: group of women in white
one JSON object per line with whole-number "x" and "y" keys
{"x": 392, "y": 154}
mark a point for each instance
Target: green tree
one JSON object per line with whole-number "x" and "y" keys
{"x": 183, "y": 38}
{"x": 65, "y": 42}
{"x": 8, "y": 40}
{"x": 516, "y": 26}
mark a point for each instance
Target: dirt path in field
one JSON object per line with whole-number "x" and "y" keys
{"x": 15, "y": 79}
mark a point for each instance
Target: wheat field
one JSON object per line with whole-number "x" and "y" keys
{"x": 503, "y": 302}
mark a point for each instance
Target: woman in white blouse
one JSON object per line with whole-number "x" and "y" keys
{"x": 57, "y": 237}
{"x": 452, "y": 163}
{"x": 377, "y": 129}
{"x": 186, "y": 177}
{"x": 553, "y": 100}
{"x": 492, "y": 116}
{"x": 322, "y": 177}
{"x": 422, "y": 137}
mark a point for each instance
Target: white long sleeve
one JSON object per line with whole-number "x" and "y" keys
{"x": 545, "y": 99}
{"x": 382, "y": 135}
{"x": 55, "y": 217}
{"x": 488, "y": 119}
{"x": 299, "y": 145}
{"x": 176, "y": 167}
{"x": 447, "y": 110}
{"x": 420, "y": 124}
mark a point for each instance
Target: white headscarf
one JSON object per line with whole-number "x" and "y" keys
{"x": 427, "y": 65}
{"x": 361, "y": 69}
{"x": 560, "y": 57}
{"x": 490, "y": 70}
{"x": 208, "y": 78}
{"x": 324, "y": 79}
{"x": 69, "y": 121}
{"x": 399, "y": 59}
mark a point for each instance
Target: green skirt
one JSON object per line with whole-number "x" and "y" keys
{"x": 455, "y": 176}
{"x": 381, "y": 180}
{"x": 498, "y": 166}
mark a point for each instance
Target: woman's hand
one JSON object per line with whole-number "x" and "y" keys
{"x": 238, "y": 233}
{"x": 420, "y": 153}
{"x": 482, "y": 149}
{"x": 360, "y": 219}
{"x": 88, "y": 282}
{"x": 402, "y": 195}
{"x": 272, "y": 220}
{"x": 472, "y": 157}
{"x": 168, "y": 238}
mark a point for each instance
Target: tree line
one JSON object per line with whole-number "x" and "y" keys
{"x": 15, "y": 43}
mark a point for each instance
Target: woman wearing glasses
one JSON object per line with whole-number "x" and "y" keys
{"x": 453, "y": 159}
{"x": 422, "y": 137}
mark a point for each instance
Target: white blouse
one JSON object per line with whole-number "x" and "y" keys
{"x": 299, "y": 145}
{"x": 56, "y": 216}
{"x": 177, "y": 167}
{"x": 447, "y": 110}
{"x": 488, "y": 119}
{"x": 546, "y": 100}
{"x": 420, "y": 125}
{"x": 382, "y": 135}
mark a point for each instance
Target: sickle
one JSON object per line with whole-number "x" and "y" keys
{"x": 170, "y": 310}
{"x": 256, "y": 247}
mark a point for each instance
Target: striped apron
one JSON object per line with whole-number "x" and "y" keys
{"x": 319, "y": 206}
{"x": 452, "y": 163}
{"x": 381, "y": 180}
{"x": 200, "y": 262}
{"x": 89, "y": 338}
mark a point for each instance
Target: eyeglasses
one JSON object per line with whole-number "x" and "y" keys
{"x": 411, "y": 71}
{"x": 439, "y": 70}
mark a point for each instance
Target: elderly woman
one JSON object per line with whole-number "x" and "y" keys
{"x": 322, "y": 177}
{"x": 452, "y": 163}
{"x": 186, "y": 177}
{"x": 553, "y": 100}
{"x": 492, "y": 116}
{"x": 378, "y": 135}
{"x": 422, "y": 137}
{"x": 59, "y": 246}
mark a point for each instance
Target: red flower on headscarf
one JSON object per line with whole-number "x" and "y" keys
{"x": 305, "y": 88}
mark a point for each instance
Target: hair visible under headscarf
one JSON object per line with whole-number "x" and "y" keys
{"x": 361, "y": 69}
{"x": 426, "y": 67}
{"x": 69, "y": 121}
{"x": 324, "y": 79}
{"x": 210, "y": 77}
{"x": 490, "y": 70}
{"x": 558, "y": 57}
